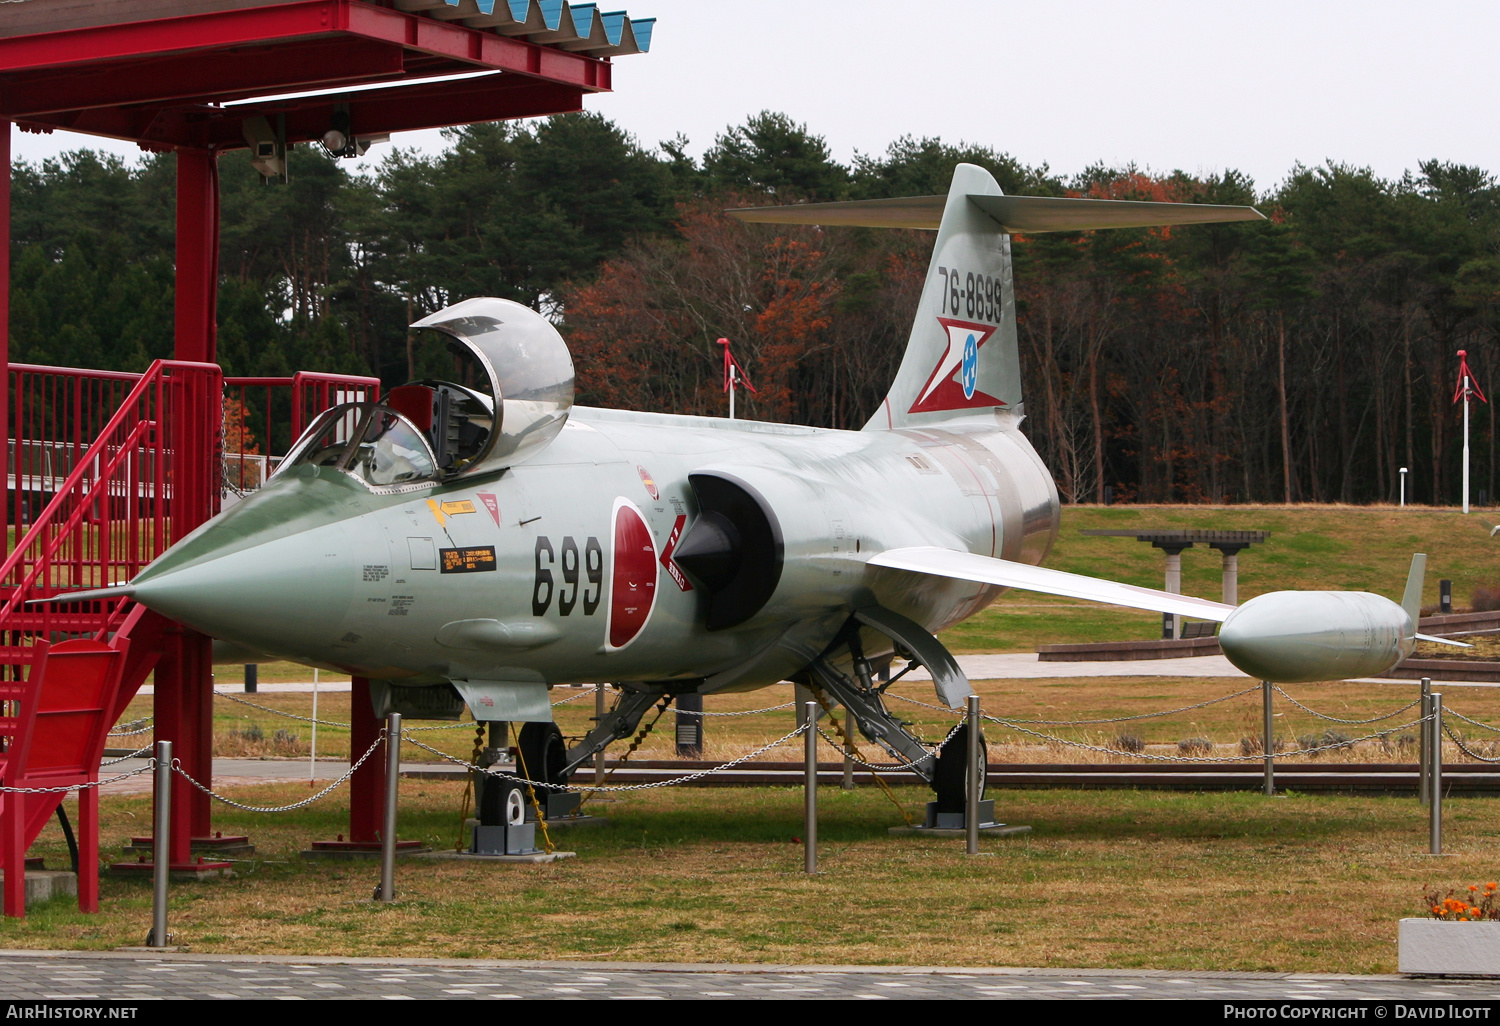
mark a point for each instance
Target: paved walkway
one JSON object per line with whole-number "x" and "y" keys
{"x": 121, "y": 976}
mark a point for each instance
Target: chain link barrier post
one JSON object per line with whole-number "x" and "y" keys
{"x": 392, "y": 788}
{"x": 1435, "y": 777}
{"x": 810, "y": 804}
{"x": 848, "y": 782}
{"x": 1268, "y": 734}
{"x": 161, "y": 846}
{"x": 976, "y": 779}
{"x": 1424, "y": 743}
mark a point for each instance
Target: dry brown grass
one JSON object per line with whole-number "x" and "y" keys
{"x": 1074, "y": 698}
{"x": 1127, "y": 879}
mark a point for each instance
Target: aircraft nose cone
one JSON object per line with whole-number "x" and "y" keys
{"x": 284, "y": 595}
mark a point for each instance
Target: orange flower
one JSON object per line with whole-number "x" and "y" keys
{"x": 1473, "y": 887}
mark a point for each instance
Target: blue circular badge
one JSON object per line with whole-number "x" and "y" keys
{"x": 971, "y": 366}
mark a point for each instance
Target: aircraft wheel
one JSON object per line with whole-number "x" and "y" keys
{"x": 950, "y": 776}
{"x": 544, "y": 753}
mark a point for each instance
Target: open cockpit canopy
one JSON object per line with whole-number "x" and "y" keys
{"x": 499, "y": 386}
{"x": 507, "y": 394}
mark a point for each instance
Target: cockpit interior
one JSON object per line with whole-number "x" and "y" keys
{"x": 509, "y": 394}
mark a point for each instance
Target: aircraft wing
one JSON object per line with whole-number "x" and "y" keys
{"x": 966, "y": 566}
{"x": 1029, "y": 214}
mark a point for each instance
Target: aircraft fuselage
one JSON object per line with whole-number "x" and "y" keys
{"x": 560, "y": 569}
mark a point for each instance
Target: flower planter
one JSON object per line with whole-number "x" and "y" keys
{"x": 1435, "y": 947}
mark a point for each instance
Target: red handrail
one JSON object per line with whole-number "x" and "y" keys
{"x": 121, "y": 505}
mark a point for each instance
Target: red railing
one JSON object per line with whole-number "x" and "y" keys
{"x": 148, "y": 478}
{"x": 106, "y": 470}
{"x": 264, "y": 416}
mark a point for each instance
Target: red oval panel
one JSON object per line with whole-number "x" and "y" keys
{"x": 633, "y": 582}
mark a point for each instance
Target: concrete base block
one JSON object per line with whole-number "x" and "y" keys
{"x": 180, "y": 872}
{"x": 225, "y": 847}
{"x": 577, "y": 821}
{"x": 537, "y": 859}
{"x": 1434, "y": 947}
{"x": 993, "y": 830}
{"x": 46, "y": 884}
{"x": 353, "y": 850}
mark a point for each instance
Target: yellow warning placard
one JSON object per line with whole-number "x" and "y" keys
{"x": 473, "y": 560}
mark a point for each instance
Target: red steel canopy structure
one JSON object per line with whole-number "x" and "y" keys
{"x": 196, "y": 77}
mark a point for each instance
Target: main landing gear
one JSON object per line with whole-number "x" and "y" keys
{"x": 858, "y": 692}
{"x": 844, "y": 674}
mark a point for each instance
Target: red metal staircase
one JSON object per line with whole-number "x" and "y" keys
{"x": 102, "y": 501}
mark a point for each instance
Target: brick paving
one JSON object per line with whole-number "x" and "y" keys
{"x": 121, "y": 976}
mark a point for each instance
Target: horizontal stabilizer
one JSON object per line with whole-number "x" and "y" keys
{"x": 966, "y": 566}
{"x": 1029, "y": 214}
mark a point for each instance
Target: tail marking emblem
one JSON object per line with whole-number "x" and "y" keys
{"x": 954, "y": 383}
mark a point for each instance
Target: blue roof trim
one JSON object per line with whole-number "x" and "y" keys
{"x": 552, "y": 13}
{"x": 614, "y": 26}
{"x": 643, "y": 28}
{"x": 574, "y": 27}
{"x": 583, "y": 18}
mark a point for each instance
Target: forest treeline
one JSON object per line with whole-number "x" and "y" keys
{"x": 1306, "y": 358}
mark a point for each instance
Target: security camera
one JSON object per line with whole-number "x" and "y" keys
{"x": 267, "y": 148}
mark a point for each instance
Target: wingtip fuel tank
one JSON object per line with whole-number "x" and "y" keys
{"x": 1293, "y": 637}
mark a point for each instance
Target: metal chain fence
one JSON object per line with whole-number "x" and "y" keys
{"x": 1463, "y": 747}
{"x": 127, "y": 732}
{"x": 1203, "y": 758}
{"x": 1454, "y": 712}
{"x": 1335, "y": 719}
{"x": 612, "y": 789}
{"x": 886, "y": 767}
{"x": 80, "y": 787}
{"x": 177, "y": 768}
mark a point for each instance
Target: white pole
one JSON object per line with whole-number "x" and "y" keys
{"x": 312, "y": 760}
{"x": 1466, "y": 444}
{"x": 161, "y": 846}
{"x": 734, "y": 377}
{"x": 1403, "y": 487}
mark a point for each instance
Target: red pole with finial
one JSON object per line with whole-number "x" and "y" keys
{"x": 733, "y": 375}
{"x": 1467, "y": 389}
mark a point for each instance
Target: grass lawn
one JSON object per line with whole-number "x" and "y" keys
{"x": 1117, "y": 879}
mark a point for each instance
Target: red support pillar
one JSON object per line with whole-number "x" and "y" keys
{"x": 367, "y": 786}
{"x": 197, "y": 255}
{"x": 5, "y": 130}
{"x": 183, "y": 697}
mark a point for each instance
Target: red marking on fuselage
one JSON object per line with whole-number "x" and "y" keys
{"x": 492, "y": 504}
{"x": 633, "y": 583}
{"x": 650, "y": 483}
{"x": 683, "y": 584}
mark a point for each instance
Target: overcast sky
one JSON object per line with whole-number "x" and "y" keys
{"x": 1198, "y": 86}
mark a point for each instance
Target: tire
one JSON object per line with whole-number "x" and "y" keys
{"x": 543, "y": 754}
{"x": 949, "y": 776}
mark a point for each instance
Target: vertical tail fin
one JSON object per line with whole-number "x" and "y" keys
{"x": 1412, "y": 600}
{"x": 961, "y": 359}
